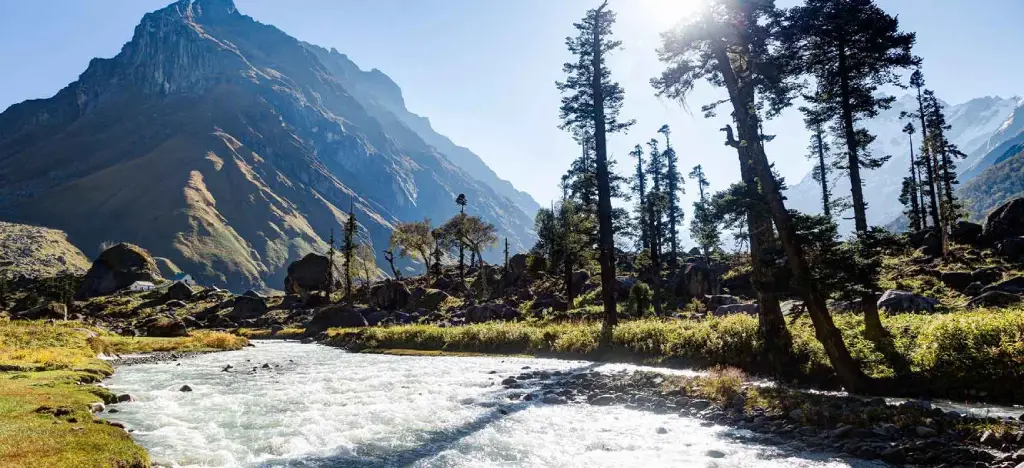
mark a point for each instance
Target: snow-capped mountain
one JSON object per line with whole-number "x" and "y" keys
{"x": 979, "y": 127}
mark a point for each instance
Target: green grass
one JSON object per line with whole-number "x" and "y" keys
{"x": 48, "y": 367}
{"x": 264, "y": 333}
{"x": 980, "y": 350}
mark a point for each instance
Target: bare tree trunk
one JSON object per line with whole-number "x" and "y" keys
{"x": 823, "y": 173}
{"x": 825, "y": 329}
{"x": 860, "y": 218}
{"x": 914, "y": 206}
{"x": 778, "y": 343}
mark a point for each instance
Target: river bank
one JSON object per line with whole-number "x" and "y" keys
{"x": 50, "y": 392}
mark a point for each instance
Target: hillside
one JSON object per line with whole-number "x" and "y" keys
{"x": 996, "y": 185}
{"x": 38, "y": 252}
{"x": 230, "y": 149}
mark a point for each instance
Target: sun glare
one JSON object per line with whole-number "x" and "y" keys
{"x": 666, "y": 13}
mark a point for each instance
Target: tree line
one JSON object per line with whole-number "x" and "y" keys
{"x": 837, "y": 57}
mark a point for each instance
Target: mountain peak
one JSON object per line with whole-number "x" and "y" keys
{"x": 212, "y": 9}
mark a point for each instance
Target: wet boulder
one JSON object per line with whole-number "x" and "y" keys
{"x": 308, "y": 274}
{"x": 179, "y": 291}
{"x": 338, "y": 316}
{"x": 117, "y": 268}
{"x": 389, "y": 295}
{"x": 904, "y": 301}
{"x": 247, "y": 308}
{"x": 994, "y": 299}
{"x": 1005, "y": 222}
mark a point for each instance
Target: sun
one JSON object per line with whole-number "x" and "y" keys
{"x": 666, "y": 13}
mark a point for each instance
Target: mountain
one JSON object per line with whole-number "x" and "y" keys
{"x": 1000, "y": 183}
{"x": 979, "y": 127}
{"x": 230, "y": 148}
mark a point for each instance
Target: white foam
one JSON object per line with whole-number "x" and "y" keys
{"x": 327, "y": 408}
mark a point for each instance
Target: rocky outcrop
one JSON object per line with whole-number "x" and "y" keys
{"x": 904, "y": 301}
{"x": 1005, "y": 222}
{"x": 117, "y": 268}
{"x": 1011, "y": 248}
{"x": 428, "y": 299}
{"x": 311, "y": 273}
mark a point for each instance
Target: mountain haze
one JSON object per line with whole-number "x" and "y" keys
{"x": 981, "y": 127}
{"x": 231, "y": 148}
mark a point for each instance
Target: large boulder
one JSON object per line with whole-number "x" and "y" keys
{"x": 338, "y": 316}
{"x": 966, "y": 232}
{"x": 375, "y": 317}
{"x": 714, "y": 302}
{"x": 310, "y": 273}
{"x": 695, "y": 280}
{"x": 247, "y": 308}
{"x": 117, "y": 268}
{"x": 1005, "y": 222}
{"x": 165, "y": 327}
{"x": 749, "y": 309}
{"x": 579, "y": 282}
{"x": 179, "y": 291}
{"x": 1013, "y": 285}
{"x": 904, "y": 301}
{"x": 957, "y": 280}
{"x": 389, "y": 295}
{"x": 623, "y": 285}
{"x": 429, "y": 299}
{"x": 987, "y": 275}
{"x": 53, "y": 310}
{"x": 994, "y": 299}
{"x": 1011, "y": 248}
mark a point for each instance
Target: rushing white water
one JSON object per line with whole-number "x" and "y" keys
{"x": 323, "y": 407}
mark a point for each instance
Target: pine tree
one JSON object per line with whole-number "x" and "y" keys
{"x": 592, "y": 101}
{"x": 329, "y": 287}
{"x": 349, "y": 249}
{"x": 640, "y": 190}
{"x": 911, "y": 186}
{"x": 673, "y": 188}
{"x": 944, "y": 154}
{"x": 727, "y": 43}
{"x": 704, "y": 225}
{"x": 928, "y": 184}
{"x": 815, "y": 120}
{"x": 461, "y": 201}
{"x": 851, "y": 48}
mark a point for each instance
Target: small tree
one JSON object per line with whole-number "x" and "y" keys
{"x": 367, "y": 262}
{"x": 349, "y": 245}
{"x": 461, "y": 201}
{"x": 911, "y": 187}
{"x": 389, "y": 256}
{"x": 414, "y": 238}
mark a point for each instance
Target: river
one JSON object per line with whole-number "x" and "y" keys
{"x": 317, "y": 406}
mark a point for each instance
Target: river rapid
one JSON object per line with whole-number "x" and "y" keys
{"x": 316, "y": 406}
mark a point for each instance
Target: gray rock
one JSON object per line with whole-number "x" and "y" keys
{"x": 307, "y": 275}
{"x": 715, "y": 454}
{"x": 904, "y": 301}
{"x": 603, "y": 400}
{"x": 749, "y": 309}
{"x": 796, "y": 415}
{"x": 958, "y": 280}
{"x": 1013, "y": 285}
{"x": 923, "y": 431}
{"x": 714, "y": 302}
{"x": 553, "y": 400}
{"x": 96, "y": 407}
{"x": 661, "y": 430}
{"x": 699, "y": 405}
{"x": 247, "y": 308}
{"x": 185, "y": 388}
{"x": 1005, "y": 221}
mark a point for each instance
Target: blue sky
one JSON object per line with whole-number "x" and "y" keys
{"x": 483, "y": 71}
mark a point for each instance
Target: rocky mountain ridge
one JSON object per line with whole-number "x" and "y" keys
{"x": 230, "y": 148}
